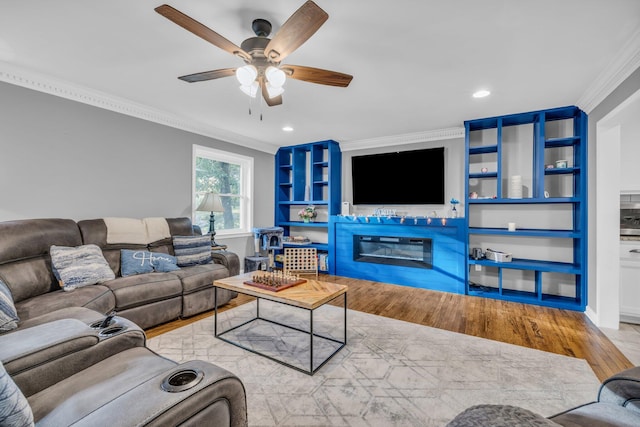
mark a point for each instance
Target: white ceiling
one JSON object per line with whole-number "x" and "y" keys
{"x": 415, "y": 63}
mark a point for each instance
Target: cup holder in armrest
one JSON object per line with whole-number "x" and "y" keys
{"x": 97, "y": 324}
{"x": 111, "y": 331}
{"x": 182, "y": 380}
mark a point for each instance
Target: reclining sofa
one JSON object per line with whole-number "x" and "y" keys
{"x": 67, "y": 362}
{"x": 147, "y": 299}
{"x": 617, "y": 405}
{"x": 66, "y": 372}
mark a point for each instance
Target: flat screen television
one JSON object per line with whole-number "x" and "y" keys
{"x": 413, "y": 177}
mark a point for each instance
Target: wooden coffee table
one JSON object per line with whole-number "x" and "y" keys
{"x": 307, "y": 296}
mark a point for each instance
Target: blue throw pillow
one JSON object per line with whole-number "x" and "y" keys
{"x": 14, "y": 408}
{"x": 8, "y": 314}
{"x": 192, "y": 250}
{"x": 79, "y": 266}
{"x": 164, "y": 262}
{"x": 135, "y": 262}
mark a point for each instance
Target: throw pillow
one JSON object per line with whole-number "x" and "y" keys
{"x": 14, "y": 408}
{"x": 192, "y": 250}
{"x": 164, "y": 262}
{"x": 79, "y": 266}
{"x": 135, "y": 262}
{"x": 8, "y": 315}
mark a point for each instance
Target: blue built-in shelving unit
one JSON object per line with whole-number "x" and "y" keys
{"x": 549, "y": 244}
{"x": 309, "y": 174}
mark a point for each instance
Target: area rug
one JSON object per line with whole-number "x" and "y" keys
{"x": 390, "y": 373}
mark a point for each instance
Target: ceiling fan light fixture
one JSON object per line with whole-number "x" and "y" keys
{"x": 246, "y": 75}
{"x": 275, "y": 76}
{"x": 251, "y": 90}
{"x": 273, "y": 91}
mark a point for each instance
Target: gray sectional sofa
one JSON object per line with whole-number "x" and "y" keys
{"x": 147, "y": 299}
{"x": 79, "y": 356}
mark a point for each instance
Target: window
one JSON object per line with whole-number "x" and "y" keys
{"x": 229, "y": 175}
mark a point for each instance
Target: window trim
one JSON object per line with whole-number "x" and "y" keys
{"x": 246, "y": 186}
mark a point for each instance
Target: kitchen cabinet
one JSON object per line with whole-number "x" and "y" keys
{"x": 630, "y": 281}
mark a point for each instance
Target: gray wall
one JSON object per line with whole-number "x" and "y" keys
{"x": 627, "y": 88}
{"x": 61, "y": 158}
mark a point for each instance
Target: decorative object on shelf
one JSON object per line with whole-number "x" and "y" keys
{"x": 473, "y": 195}
{"x": 511, "y": 226}
{"x": 212, "y": 203}
{"x": 549, "y": 166}
{"x": 454, "y": 211}
{"x": 515, "y": 187}
{"x": 384, "y": 212}
{"x": 497, "y": 256}
{"x": 308, "y": 213}
{"x": 484, "y": 170}
{"x": 296, "y": 240}
{"x": 561, "y": 163}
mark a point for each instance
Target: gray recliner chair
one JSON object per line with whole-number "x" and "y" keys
{"x": 617, "y": 405}
{"x": 133, "y": 388}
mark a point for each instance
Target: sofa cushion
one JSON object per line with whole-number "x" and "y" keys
{"x": 192, "y": 250}
{"x": 135, "y": 262}
{"x": 142, "y": 289}
{"x": 14, "y": 408}
{"x": 164, "y": 263}
{"x": 200, "y": 276}
{"x": 96, "y": 297}
{"x": 8, "y": 315}
{"x": 140, "y": 262}
{"x": 80, "y": 265}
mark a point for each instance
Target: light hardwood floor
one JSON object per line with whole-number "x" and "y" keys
{"x": 558, "y": 331}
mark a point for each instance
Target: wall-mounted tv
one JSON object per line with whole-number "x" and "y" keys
{"x": 413, "y": 177}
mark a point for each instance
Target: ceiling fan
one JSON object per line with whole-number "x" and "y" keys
{"x": 263, "y": 70}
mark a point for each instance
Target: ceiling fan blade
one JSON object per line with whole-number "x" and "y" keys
{"x": 271, "y": 102}
{"x": 208, "y": 75}
{"x": 201, "y": 30}
{"x": 317, "y": 75}
{"x": 295, "y": 31}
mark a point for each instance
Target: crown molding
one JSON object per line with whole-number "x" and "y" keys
{"x": 625, "y": 63}
{"x": 407, "y": 138}
{"x": 12, "y": 74}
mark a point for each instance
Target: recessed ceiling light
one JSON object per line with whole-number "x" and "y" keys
{"x": 287, "y": 129}
{"x": 481, "y": 93}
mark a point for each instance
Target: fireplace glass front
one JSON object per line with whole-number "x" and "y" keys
{"x": 402, "y": 251}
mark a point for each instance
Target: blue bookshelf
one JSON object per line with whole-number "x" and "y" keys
{"x": 308, "y": 174}
{"x": 549, "y": 264}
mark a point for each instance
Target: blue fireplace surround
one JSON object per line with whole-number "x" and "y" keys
{"x": 447, "y": 257}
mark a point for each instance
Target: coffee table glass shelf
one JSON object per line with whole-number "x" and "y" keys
{"x": 303, "y": 336}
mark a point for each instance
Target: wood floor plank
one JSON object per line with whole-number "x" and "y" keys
{"x": 548, "y": 329}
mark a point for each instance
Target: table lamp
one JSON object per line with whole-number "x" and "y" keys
{"x": 211, "y": 203}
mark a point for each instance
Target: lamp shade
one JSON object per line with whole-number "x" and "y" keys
{"x": 275, "y": 76}
{"x": 246, "y": 74}
{"x": 211, "y": 203}
{"x": 251, "y": 90}
{"x": 273, "y": 91}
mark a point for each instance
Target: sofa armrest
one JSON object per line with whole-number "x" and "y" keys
{"x": 229, "y": 260}
{"x": 218, "y": 399}
{"x": 42, "y": 355}
{"x": 621, "y": 388}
